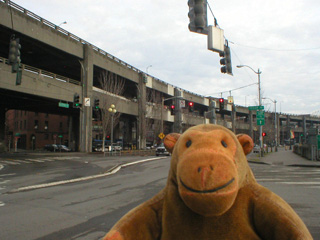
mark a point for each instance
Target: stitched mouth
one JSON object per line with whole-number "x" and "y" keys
{"x": 207, "y": 191}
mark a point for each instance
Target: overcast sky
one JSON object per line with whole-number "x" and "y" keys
{"x": 281, "y": 38}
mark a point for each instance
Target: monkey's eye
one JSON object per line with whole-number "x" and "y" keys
{"x": 224, "y": 144}
{"x": 188, "y": 144}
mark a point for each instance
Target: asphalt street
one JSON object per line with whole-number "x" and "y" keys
{"x": 87, "y": 209}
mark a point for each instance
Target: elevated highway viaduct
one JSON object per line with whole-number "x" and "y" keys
{"x": 57, "y": 64}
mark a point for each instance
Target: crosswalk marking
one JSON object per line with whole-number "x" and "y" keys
{"x": 37, "y": 160}
{"x": 34, "y": 160}
{"x": 22, "y": 161}
{"x": 9, "y": 162}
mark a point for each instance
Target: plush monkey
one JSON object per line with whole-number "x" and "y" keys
{"x": 211, "y": 193}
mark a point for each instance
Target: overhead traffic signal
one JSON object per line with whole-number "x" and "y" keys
{"x": 191, "y": 106}
{"x": 264, "y": 134}
{"x": 221, "y": 101}
{"x": 96, "y": 104}
{"x": 172, "y": 109}
{"x": 225, "y": 61}
{"x": 198, "y": 16}
{"x": 14, "y": 54}
{"x": 76, "y": 101}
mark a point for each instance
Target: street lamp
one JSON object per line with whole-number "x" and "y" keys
{"x": 65, "y": 22}
{"x": 259, "y": 95}
{"x": 148, "y": 68}
{"x": 275, "y": 122}
{"x": 112, "y": 110}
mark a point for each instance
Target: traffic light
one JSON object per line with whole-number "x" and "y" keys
{"x": 225, "y": 61}
{"x": 14, "y": 54}
{"x": 198, "y": 16}
{"x": 221, "y": 101}
{"x": 76, "y": 101}
{"x": 172, "y": 108}
{"x": 264, "y": 134}
{"x": 191, "y": 106}
{"x": 96, "y": 104}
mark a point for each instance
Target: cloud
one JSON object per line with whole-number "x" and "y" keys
{"x": 281, "y": 38}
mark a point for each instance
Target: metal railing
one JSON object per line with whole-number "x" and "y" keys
{"x": 44, "y": 73}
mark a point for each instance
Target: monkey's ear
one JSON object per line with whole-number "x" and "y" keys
{"x": 170, "y": 141}
{"x": 246, "y": 143}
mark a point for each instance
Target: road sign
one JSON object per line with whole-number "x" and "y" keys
{"x": 182, "y": 103}
{"x": 161, "y": 135}
{"x": 65, "y": 105}
{"x": 251, "y": 108}
{"x": 260, "y": 114}
{"x": 260, "y": 122}
{"x": 87, "y": 102}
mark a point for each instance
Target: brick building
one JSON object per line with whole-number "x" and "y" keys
{"x": 33, "y": 130}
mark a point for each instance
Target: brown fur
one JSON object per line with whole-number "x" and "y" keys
{"x": 211, "y": 193}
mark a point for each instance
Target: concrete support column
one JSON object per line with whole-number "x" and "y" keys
{"x": 86, "y": 112}
{"x": 304, "y": 128}
{"x": 2, "y": 129}
{"x": 212, "y": 112}
{"x": 251, "y": 125}
{"x": 142, "y": 97}
{"x": 233, "y": 117}
{"x": 177, "y": 126}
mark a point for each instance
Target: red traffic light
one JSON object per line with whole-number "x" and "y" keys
{"x": 264, "y": 134}
{"x": 172, "y": 106}
{"x": 221, "y": 100}
{"x": 191, "y": 104}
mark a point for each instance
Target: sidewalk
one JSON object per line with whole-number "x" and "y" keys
{"x": 283, "y": 157}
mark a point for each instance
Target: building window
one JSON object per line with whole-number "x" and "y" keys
{"x": 25, "y": 124}
{"x": 46, "y": 125}
{"x": 36, "y": 124}
{"x": 46, "y": 136}
{"x": 60, "y": 124}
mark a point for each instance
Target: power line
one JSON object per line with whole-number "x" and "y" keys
{"x": 278, "y": 50}
{"x": 233, "y": 89}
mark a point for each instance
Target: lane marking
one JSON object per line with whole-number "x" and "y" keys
{"x": 11, "y": 163}
{"x": 9, "y": 174}
{"x": 301, "y": 183}
{"x": 1, "y": 167}
{"x": 1, "y": 204}
{"x": 111, "y": 171}
{"x": 22, "y": 161}
{"x": 33, "y": 160}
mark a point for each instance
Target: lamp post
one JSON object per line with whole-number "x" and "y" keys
{"x": 112, "y": 110}
{"x": 275, "y": 123}
{"x": 259, "y": 96}
{"x": 162, "y": 107}
{"x": 65, "y": 22}
{"x": 148, "y": 68}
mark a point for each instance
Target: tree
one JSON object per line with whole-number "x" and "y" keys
{"x": 154, "y": 109}
{"x": 112, "y": 86}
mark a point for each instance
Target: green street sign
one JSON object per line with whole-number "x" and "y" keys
{"x": 260, "y": 114}
{"x": 260, "y": 122}
{"x": 318, "y": 138}
{"x": 252, "y": 108}
{"x": 65, "y": 105}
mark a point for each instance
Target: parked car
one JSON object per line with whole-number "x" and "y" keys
{"x": 256, "y": 149}
{"x": 51, "y": 147}
{"x": 63, "y": 148}
{"x": 117, "y": 148}
{"x": 161, "y": 150}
